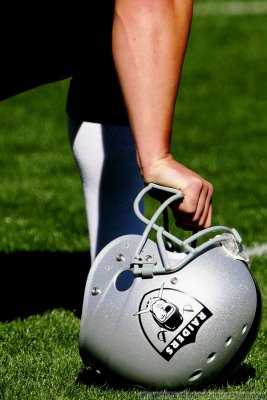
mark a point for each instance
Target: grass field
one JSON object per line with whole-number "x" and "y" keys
{"x": 220, "y": 130}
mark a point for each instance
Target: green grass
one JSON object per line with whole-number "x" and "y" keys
{"x": 40, "y": 193}
{"x": 220, "y": 130}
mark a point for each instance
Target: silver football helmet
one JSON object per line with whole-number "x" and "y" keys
{"x": 170, "y": 313}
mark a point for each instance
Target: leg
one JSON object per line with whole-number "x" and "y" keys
{"x": 106, "y": 159}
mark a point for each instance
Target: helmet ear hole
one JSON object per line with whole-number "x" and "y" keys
{"x": 124, "y": 280}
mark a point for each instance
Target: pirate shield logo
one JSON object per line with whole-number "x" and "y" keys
{"x": 170, "y": 319}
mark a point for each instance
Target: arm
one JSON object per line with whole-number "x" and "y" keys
{"x": 149, "y": 43}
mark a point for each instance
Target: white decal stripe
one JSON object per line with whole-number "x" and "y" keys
{"x": 230, "y": 8}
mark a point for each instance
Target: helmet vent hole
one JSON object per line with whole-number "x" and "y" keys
{"x": 196, "y": 375}
{"x": 228, "y": 341}
{"x": 245, "y": 327}
{"x": 211, "y": 357}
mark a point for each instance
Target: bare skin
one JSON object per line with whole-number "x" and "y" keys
{"x": 149, "y": 42}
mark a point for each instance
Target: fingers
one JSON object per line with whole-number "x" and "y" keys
{"x": 194, "y": 211}
{"x": 188, "y": 222}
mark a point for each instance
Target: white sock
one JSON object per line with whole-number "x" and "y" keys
{"x": 111, "y": 180}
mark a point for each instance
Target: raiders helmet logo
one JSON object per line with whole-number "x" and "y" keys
{"x": 170, "y": 319}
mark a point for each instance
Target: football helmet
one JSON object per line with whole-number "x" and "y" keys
{"x": 169, "y": 313}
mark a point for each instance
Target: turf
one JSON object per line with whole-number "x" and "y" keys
{"x": 220, "y": 130}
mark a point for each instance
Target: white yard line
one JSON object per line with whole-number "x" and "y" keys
{"x": 257, "y": 250}
{"x": 230, "y": 8}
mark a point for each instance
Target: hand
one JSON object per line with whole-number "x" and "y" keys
{"x": 194, "y": 211}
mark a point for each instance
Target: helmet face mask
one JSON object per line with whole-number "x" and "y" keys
{"x": 163, "y": 319}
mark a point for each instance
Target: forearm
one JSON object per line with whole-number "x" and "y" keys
{"x": 149, "y": 43}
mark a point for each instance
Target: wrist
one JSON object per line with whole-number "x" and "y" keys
{"x": 151, "y": 168}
